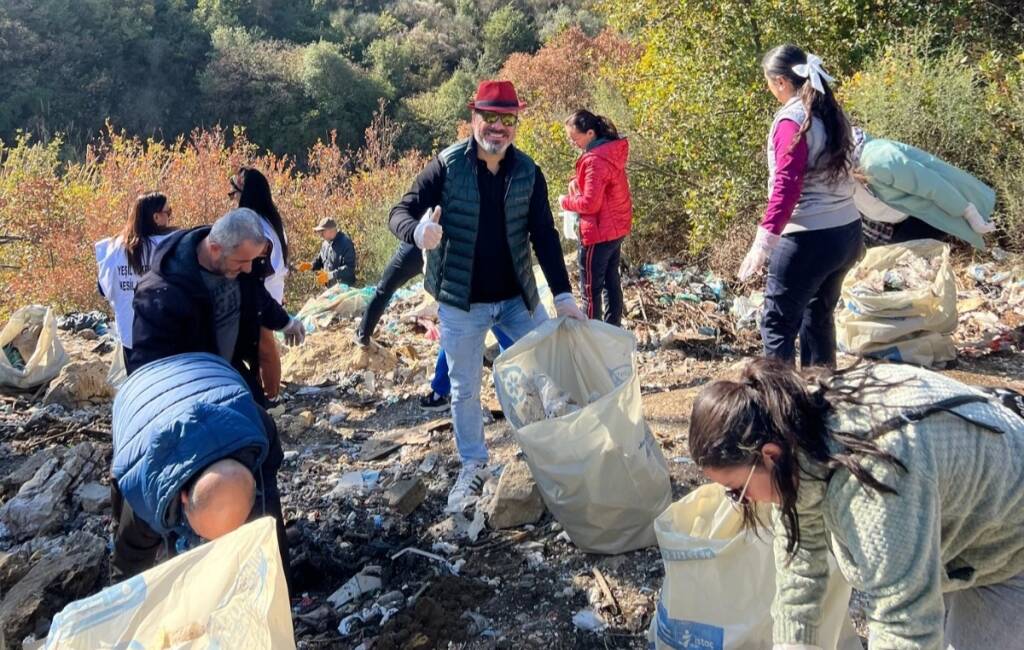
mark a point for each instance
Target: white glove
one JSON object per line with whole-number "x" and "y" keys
{"x": 294, "y": 332}
{"x": 763, "y": 244}
{"x": 428, "y": 231}
{"x": 565, "y": 305}
{"x": 976, "y": 221}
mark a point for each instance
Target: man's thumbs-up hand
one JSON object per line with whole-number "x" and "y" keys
{"x": 428, "y": 231}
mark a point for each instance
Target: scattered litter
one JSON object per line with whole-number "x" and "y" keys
{"x": 452, "y": 568}
{"x": 366, "y": 581}
{"x": 357, "y": 481}
{"x": 589, "y": 620}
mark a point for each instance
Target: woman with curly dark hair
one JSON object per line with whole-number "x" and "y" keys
{"x": 912, "y": 480}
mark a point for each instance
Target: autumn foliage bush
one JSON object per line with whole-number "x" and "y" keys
{"x": 51, "y": 211}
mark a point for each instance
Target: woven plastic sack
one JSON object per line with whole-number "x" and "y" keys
{"x": 720, "y": 582}
{"x": 913, "y": 325}
{"x": 228, "y": 593}
{"x": 599, "y": 470}
{"x": 47, "y": 356}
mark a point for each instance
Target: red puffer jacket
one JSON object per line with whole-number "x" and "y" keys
{"x": 603, "y": 202}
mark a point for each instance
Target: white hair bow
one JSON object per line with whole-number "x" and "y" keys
{"x": 814, "y": 71}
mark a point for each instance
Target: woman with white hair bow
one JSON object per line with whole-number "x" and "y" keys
{"x": 810, "y": 235}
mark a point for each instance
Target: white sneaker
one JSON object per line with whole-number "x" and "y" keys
{"x": 468, "y": 486}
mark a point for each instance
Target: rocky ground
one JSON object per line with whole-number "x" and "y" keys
{"x": 376, "y": 561}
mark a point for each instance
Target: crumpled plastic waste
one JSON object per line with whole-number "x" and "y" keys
{"x": 79, "y": 321}
{"x": 911, "y": 272}
{"x": 545, "y": 400}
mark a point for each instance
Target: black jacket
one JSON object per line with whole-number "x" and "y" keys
{"x": 338, "y": 258}
{"x": 491, "y": 239}
{"x": 174, "y": 312}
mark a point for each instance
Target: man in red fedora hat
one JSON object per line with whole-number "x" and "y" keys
{"x": 477, "y": 209}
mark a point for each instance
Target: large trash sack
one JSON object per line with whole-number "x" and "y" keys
{"x": 720, "y": 581}
{"x": 599, "y": 470}
{"x": 334, "y": 303}
{"x": 899, "y": 304}
{"x": 31, "y": 351}
{"x": 229, "y": 593}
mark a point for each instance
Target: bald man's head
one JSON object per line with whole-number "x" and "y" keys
{"x": 220, "y": 499}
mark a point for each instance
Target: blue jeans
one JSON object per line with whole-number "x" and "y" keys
{"x": 462, "y": 339}
{"x": 440, "y": 384}
{"x": 805, "y": 276}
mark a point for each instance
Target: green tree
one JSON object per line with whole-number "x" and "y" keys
{"x": 507, "y": 30}
{"x": 344, "y": 96}
{"x": 435, "y": 115}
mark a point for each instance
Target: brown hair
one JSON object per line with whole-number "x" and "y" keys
{"x": 779, "y": 62}
{"x": 771, "y": 402}
{"x": 583, "y": 121}
{"x": 141, "y": 226}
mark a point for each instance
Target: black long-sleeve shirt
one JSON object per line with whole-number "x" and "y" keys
{"x": 495, "y": 280}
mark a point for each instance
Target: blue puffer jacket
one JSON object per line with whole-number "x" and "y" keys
{"x": 173, "y": 418}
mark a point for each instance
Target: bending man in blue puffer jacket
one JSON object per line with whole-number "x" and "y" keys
{"x": 194, "y": 456}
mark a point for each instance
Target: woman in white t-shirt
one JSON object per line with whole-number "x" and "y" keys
{"x": 124, "y": 258}
{"x": 252, "y": 190}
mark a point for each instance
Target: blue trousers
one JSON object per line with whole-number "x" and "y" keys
{"x": 805, "y": 276}
{"x": 441, "y": 384}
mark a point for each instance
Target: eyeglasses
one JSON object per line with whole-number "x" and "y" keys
{"x": 739, "y": 497}
{"x": 235, "y": 190}
{"x": 507, "y": 119}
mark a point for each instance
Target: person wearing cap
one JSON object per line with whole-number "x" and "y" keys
{"x": 477, "y": 209}
{"x": 336, "y": 261}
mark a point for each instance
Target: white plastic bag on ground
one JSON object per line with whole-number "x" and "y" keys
{"x": 915, "y": 324}
{"x": 229, "y": 593}
{"x": 720, "y": 582}
{"x": 48, "y": 355}
{"x": 599, "y": 469}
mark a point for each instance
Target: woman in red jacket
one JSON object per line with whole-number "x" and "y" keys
{"x": 600, "y": 194}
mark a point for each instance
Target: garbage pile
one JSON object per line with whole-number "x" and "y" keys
{"x": 670, "y": 304}
{"x": 899, "y": 303}
{"x": 991, "y": 307}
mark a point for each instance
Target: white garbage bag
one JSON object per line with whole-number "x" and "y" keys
{"x": 899, "y": 304}
{"x": 599, "y": 470}
{"x": 720, "y": 581}
{"x": 33, "y": 330}
{"x": 228, "y": 593}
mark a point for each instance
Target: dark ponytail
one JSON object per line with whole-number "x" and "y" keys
{"x": 255, "y": 195}
{"x": 140, "y": 227}
{"x": 779, "y": 62}
{"x": 583, "y": 121}
{"x": 772, "y": 403}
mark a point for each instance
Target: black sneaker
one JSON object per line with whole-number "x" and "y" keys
{"x": 435, "y": 402}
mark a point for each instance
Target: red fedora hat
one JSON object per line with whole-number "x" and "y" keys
{"x": 497, "y": 97}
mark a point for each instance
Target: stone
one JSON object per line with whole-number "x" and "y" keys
{"x": 307, "y": 418}
{"x": 56, "y": 580}
{"x": 13, "y": 567}
{"x": 78, "y": 382}
{"x": 94, "y": 497}
{"x": 516, "y": 501}
{"x": 27, "y": 470}
{"x": 40, "y": 505}
{"x": 407, "y": 495}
